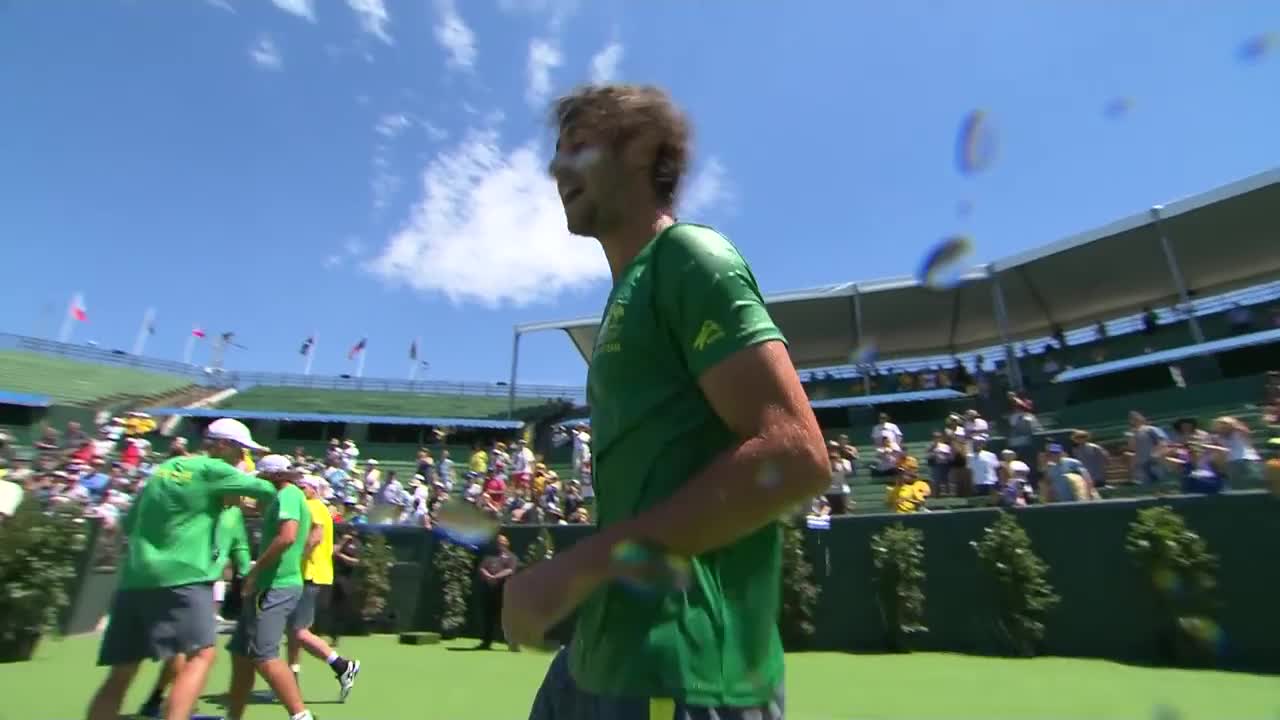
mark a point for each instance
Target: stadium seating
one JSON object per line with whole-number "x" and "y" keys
{"x": 367, "y": 402}
{"x": 72, "y": 382}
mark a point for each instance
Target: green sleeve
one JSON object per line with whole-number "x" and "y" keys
{"x": 226, "y": 480}
{"x": 241, "y": 559}
{"x": 293, "y": 505}
{"x": 708, "y": 297}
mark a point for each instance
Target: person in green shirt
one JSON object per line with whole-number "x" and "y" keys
{"x": 702, "y": 438}
{"x": 271, "y": 590}
{"x": 232, "y": 543}
{"x": 164, "y": 605}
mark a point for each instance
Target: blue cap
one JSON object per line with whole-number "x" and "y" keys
{"x": 1055, "y": 447}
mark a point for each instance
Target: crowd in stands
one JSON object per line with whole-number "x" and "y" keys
{"x": 98, "y": 474}
{"x": 960, "y": 460}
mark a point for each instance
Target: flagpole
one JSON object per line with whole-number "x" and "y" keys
{"x": 68, "y": 322}
{"x": 360, "y": 363}
{"x": 189, "y": 353}
{"x": 140, "y": 343}
{"x": 413, "y": 359}
{"x": 311, "y": 353}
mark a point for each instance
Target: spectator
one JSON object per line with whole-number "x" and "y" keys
{"x": 908, "y": 493}
{"x": 1015, "y": 483}
{"x": 1244, "y": 463}
{"x": 984, "y": 468}
{"x": 885, "y": 427}
{"x": 958, "y": 478}
{"x": 888, "y": 455}
{"x": 1199, "y": 474}
{"x": 838, "y": 491}
{"x": 1092, "y": 455}
{"x": 938, "y": 458}
{"x": 1148, "y": 444}
{"x": 1065, "y": 478}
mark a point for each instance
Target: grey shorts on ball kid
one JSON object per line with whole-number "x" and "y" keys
{"x": 304, "y": 615}
{"x": 158, "y": 623}
{"x": 262, "y": 623}
{"x": 560, "y": 698}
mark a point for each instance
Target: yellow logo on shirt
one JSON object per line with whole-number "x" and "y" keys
{"x": 710, "y": 332}
{"x": 609, "y": 338}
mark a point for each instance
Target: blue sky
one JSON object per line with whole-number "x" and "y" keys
{"x": 374, "y": 167}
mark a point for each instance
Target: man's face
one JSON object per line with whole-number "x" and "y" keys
{"x": 586, "y": 175}
{"x": 226, "y": 451}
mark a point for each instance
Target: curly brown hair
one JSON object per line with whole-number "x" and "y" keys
{"x": 618, "y": 113}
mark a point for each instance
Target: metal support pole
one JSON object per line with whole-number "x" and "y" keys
{"x": 1002, "y": 325}
{"x": 857, "y": 330}
{"x": 515, "y": 363}
{"x": 1178, "y": 282}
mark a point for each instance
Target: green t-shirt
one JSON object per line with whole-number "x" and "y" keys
{"x": 170, "y": 526}
{"x": 233, "y": 541}
{"x": 290, "y": 504}
{"x": 685, "y": 303}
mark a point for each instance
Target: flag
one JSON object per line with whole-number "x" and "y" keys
{"x": 413, "y": 350}
{"x": 151, "y": 327}
{"x": 357, "y": 348}
{"x": 307, "y": 345}
{"x": 227, "y": 337}
{"x": 197, "y": 332}
{"x": 78, "y": 310}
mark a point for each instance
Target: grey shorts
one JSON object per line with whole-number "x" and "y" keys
{"x": 263, "y": 622}
{"x": 304, "y": 615}
{"x": 158, "y": 623}
{"x": 559, "y": 698}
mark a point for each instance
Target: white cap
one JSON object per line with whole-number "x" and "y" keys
{"x": 274, "y": 463}
{"x": 310, "y": 481}
{"x": 233, "y": 430}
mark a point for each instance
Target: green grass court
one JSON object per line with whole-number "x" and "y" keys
{"x": 447, "y": 682}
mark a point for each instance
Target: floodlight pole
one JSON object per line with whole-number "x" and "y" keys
{"x": 1179, "y": 282}
{"x": 515, "y": 362}
{"x": 1002, "y": 325}
{"x": 857, "y": 329}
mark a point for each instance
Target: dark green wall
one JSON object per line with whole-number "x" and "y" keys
{"x": 1105, "y": 610}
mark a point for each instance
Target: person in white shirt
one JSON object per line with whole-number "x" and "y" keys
{"x": 521, "y": 464}
{"x": 985, "y": 468}
{"x": 350, "y": 455}
{"x": 974, "y": 426}
{"x": 581, "y": 449}
{"x": 1244, "y": 463}
{"x": 1015, "y": 483}
{"x": 838, "y": 491}
{"x": 885, "y": 428}
{"x": 888, "y": 456}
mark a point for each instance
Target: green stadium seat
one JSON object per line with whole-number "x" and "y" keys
{"x": 370, "y": 402}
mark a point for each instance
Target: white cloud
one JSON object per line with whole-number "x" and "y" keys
{"x": 489, "y": 229}
{"x": 266, "y": 54}
{"x": 301, "y": 8}
{"x": 391, "y": 125}
{"x": 222, "y": 5}
{"x": 373, "y": 17}
{"x": 707, "y": 190}
{"x": 332, "y": 261}
{"x": 544, "y": 57}
{"x": 604, "y": 64}
{"x": 353, "y": 246}
{"x": 454, "y": 36}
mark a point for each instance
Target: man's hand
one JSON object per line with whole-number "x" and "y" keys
{"x": 537, "y": 599}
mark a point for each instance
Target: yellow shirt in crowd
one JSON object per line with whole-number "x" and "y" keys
{"x": 318, "y": 566}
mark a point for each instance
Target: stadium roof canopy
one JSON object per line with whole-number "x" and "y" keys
{"x": 470, "y": 423}
{"x": 24, "y": 399}
{"x": 1212, "y": 347}
{"x": 1218, "y": 241}
{"x": 885, "y": 399}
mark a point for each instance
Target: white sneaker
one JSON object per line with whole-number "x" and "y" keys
{"x": 347, "y": 680}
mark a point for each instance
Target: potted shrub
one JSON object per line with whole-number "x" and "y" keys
{"x": 1181, "y": 574}
{"x": 374, "y": 580}
{"x": 800, "y": 591}
{"x": 1019, "y": 581}
{"x": 455, "y": 566}
{"x": 897, "y": 553}
{"x": 39, "y": 553}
